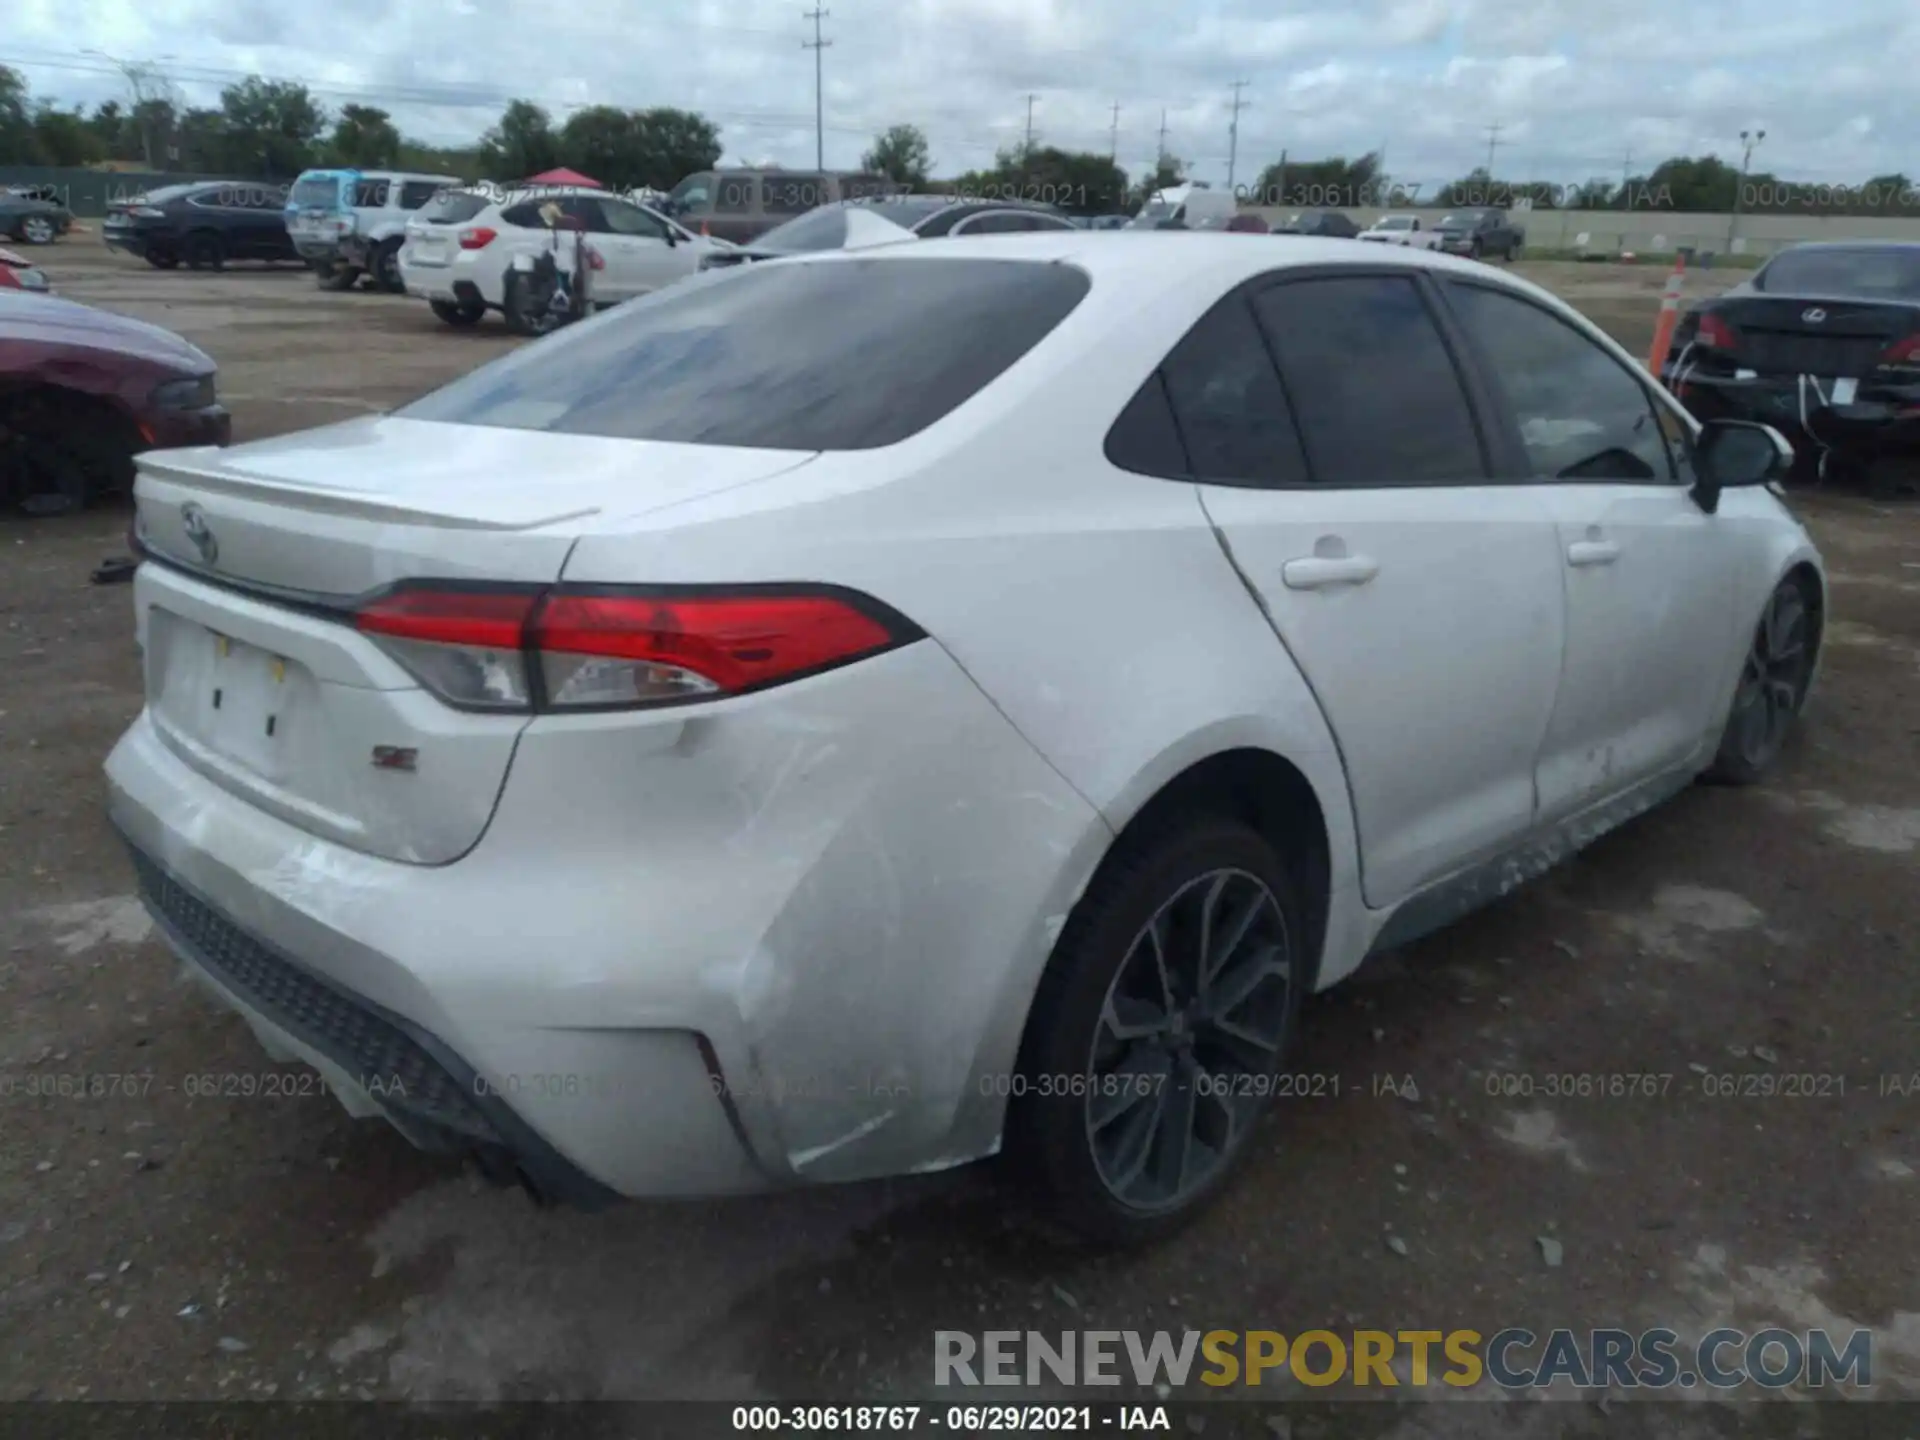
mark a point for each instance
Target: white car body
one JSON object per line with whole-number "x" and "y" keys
{"x": 1195, "y": 206}
{"x": 795, "y": 933}
{"x": 1402, "y": 230}
{"x": 440, "y": 262}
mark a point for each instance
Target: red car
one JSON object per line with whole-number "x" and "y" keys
{"x": 82, "y": 391}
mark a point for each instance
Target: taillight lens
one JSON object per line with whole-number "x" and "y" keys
{"x": 476, "y": 237}
{"x": 1715, "y": 333}
{"x": 518, "y": 648}
{"x": 1904, "y": 351}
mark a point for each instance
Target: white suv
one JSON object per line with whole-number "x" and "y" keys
{"x": 460, "y": 250}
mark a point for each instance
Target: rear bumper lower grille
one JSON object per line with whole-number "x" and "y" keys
{"x": 409, "y": 1072}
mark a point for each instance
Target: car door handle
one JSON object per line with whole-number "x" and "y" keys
{"x": 1320, "y": 571}
{"x": 1592, "y": 552}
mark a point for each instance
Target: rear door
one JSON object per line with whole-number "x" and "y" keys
{"x": 1646, "y": 571}
{"x": 1418, "y": 594}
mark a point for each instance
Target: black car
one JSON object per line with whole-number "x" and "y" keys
{"x": 1483, "y": 234}
{"x": 33, "y": 214}
{"x": 1333, "y": 223}
{"x": 204, "y": 224}
{"x": 1823, "y": 343}
{"x": 858, "y": 224}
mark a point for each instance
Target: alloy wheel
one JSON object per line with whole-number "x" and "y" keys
{"x": 1188, "y": 1040}
{"x": 1773, "y": 680}
{"x": 37, "y": 230}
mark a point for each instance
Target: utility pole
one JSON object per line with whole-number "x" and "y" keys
{"x": 1748, "y": 138}
{"x": 145, "y": 82}
{"x": 1113, "y": 141}
{"x": 817, "y": 45}
{"x": 1233, "y": 132}
{"x": 1161, "y": 154}
{"x": 1028, "y": 146}
{"x": 1626, "y": 178}
{"x": 1493, "y": 143}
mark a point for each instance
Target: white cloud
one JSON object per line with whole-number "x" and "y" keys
{"x": 1574, "y": 86}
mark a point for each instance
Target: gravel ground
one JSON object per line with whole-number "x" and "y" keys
{"x": 156, "y": 1243}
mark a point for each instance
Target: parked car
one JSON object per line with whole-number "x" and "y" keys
{"x": 460, "y": 249}
{"x": 349, "y": 223}
{"x": 1823, "y": 341}
{"x": 1247, "y": 223}
{"x": 742, "y": 205}
{"x": 1402, "y": 230}
{"x": 1484, "y": 234}
{"x": 886, "y": 222}
{"x": 1330, "y": 224}
{"x": 33, "y": 214}
{"x": 774, "y": 678}
{"x": 1188, "y": 207}
{"x": 204, "y": 224}
{"x": 19, "y": 273}
{"x": 83, "y": 390}
{"x": 1108, "y": 222}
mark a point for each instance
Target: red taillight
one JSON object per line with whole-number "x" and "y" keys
{"x": 1904, "y": 351}
{"x": 1715, "y": 333}
{"x": 476, "y": 237}
{"x": 521, "y": 648}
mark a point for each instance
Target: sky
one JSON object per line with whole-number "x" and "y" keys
{"x": 1578, "y": 88}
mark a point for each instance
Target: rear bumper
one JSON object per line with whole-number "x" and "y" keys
{"x": 1877, "y": 420}
{"x": 136, "y": 242}
{"x": 793, "y": 940}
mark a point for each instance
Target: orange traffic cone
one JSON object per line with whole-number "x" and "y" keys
{"x": 1669, "y": 317}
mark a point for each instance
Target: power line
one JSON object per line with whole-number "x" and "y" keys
{"x": 818, "y": 46}
{"x": 1233, "y": 131}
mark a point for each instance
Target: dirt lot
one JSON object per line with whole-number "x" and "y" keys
{"x": 158, "y": 1245}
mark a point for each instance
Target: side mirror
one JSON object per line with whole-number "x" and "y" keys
{"x": 1733, "y": 453}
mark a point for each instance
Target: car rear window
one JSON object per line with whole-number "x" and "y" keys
{"x": 453, "y": 208}
{"x": 1870, "y": 273}
{"x": 836, "y": 355}
{"x": 822, "y": 229}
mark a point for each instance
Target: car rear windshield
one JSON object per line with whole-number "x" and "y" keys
{"x": 822, "y": 229}
{"x": 321, "y": 192}
{"x": 453, "y": 208}
{"x": 1883, "y": 273}
{"x": 828, "y": 355}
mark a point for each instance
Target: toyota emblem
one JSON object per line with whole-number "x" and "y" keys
{"x": 194, "y": 519}
{"x": 1813, "y": 316}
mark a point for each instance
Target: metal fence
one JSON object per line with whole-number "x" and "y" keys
{"x": 88, "y": 193}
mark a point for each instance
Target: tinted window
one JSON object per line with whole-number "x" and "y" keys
{"x": 415, "y": 193}
{"x": 788, "y": 194}
{"x": 994, "y": 222}
{"x": 734, "y": 195}
{"x": 1582, "y": 415}
{"x": 1887, "y": 273}
{"x": 320, "y": 192}
{"x": 1144, "y": 439}
{"x": 1228, "y": 404}
{"x": 455, "y": 207}
{"x": 837, "y": 355}
{"x": 370, "y": 194}
{"x": 525, "y": 216}
{"x": 1377, "y": 395}
{"x": 693, "y": 191}
{"x": 624, "y": 219}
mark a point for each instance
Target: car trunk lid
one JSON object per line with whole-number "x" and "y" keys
{"x": 256, "y": 675}
{"x": 1830, "y": 339}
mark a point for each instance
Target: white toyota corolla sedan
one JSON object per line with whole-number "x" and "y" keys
{"x": 862, "y": 714}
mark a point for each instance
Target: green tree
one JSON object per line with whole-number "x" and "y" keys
{"x": 154, "y": 129}
{"x": 202, "y": 142}
{"x": 1168, "y": 171}
{"x": 272, "y": 126}
{"x": 64, "y": 136}
{"x": 900, "y": 154}
{"x": 1334, "y": 184}
{"x": 673, "y": 144}
{"x": 520, "y": 143}
{"x": 363, "y": 136}
{"x": 19, "y": 145}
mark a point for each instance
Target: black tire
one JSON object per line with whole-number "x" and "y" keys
{"x": 386, "y": 268}
{"x": 60, "y": 451}
{"x": 1055, "y": 1143}
{"x": 37, "y": 230}
{"x": 461, "y": 317}
{"x": 335, "y": 278}
{"x": 163, "y": 259}
{"x": 205, "y": 250}
{"x": 1513, "y": 252}
{"x": 526, "y": 309}
{"x": 1474, "y": 251}
{"x": 1774, "y": 675}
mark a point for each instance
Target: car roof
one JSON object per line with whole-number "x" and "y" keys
{"x": 1848, "y": 245}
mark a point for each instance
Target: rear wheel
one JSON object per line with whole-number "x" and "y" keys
{"x": 1474, "y": 251}
{"x": 335, "y": 277}
{"x": 456, "y": 314}
{"x": 1169, "y": 1004}
{"x": 528, "y": 305}
{"x": 386, "y": 268}
{"x": 1773, "y": 685}
{"x": 163, "y": 259}
{"x": 205, "y": 251}
{"x": 37, "y": 229}
{"x": 1513, "y": 252}
{"x": 60, "y": 450}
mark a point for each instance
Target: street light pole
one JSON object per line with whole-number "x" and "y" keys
{"x": 1749, "y": 139}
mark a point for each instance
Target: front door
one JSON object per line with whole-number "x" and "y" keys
{"x": 1646, "y": 571}
{"x": 1419, "y": 596}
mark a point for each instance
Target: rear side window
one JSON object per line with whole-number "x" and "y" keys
{"x": 1376, "y": 393}
{"x": 1229, "y": 414}
{"x": 453, "y": 208}
{"x": 840, "y": 355}
{"x": 1582, "y": 416}
{"x": 735, "y": 195}
{"x": 370, "y": 194}
{"x": 524, "y": 216}
{"x": 1888, "y": 273}
{"x": 415, "y": 193}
